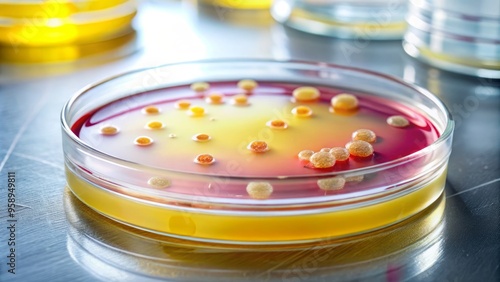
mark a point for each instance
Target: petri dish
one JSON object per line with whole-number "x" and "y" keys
{"x": 48, "y": 23}
{"x": 352, "y": 19}
{"x": 212, "y": 151}
{"x": 459, "y": 37}
{"x": 238, "y": 4}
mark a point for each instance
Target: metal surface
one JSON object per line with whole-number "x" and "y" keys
{"x": 464, "y": 246}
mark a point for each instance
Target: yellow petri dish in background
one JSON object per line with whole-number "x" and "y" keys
{"x": 240, "y": 4}
{"x": 49, "y": 23}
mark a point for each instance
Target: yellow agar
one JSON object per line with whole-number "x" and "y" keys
{"x": 241, "y": 4}
{"x": 54, "y": 8}
{"x": 254, "y": 227}
{"x": 57, "y": 22}
{"x": 469, "y": 62}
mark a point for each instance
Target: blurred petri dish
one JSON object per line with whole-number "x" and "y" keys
{"x": 53, "y": 8}
{"x": 458, "y": 36}
{"x": 355, "y": 19}
{"x": 113, "y": 251}
{"x": 246, "y": 185}
{"x": 105, "y": 50}
{"x": 49, "y": 23}
{"x": 238, "y": 4}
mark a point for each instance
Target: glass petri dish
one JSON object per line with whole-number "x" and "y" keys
{"x": 158, "y": 152}
{"x": 352, "y": 19}
{"x": 49, "y": 23}
{"x": 237, "y": 4}
{"x": 459, "y": 37}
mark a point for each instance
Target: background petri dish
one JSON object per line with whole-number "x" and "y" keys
{"x": 49, "y": 23}
{"x": 238, "y": 4}
{"x": 458, "y": 36}
{"x": 214, "y": 207}
{"x": 356, "y": 19}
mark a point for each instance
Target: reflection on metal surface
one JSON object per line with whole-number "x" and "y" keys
{"x": 115, "y": 252}
{"x": 114, "y": 48}
{"x": 30, "y": 62}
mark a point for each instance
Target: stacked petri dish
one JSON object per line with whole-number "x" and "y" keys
{"x": 459, "y": 36}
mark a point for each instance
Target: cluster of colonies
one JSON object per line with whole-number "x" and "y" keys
{"x": 359, "y": 147}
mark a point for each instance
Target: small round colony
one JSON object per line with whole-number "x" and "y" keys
{"x": 183, "y": 104}
{"x": 305, "y": 155}
{"x": 200, "y": 86}
{"x": 247, "y": 84}
{"x": 150, "y": 110}
{"x": 215, "y": 99}
{"x": 240, "y": 100}
{"x": 201, "y": 137}
{"x": 154, "y": 125}
{"x": 354, "y": 178}
{"x": 302, "y": 111}
{"x": 196, "y": 111}
{"x": 258, "y": 146}
{"x": 364, "y": 135}
{"x": 359, "y": 148}
{"x": 344, "y": 102}
{"x": 325, "y": 150}
{"x": 277, "y": 124}
{"x": 143, "y": 141}
{"x": 259, "y": 190}
{"x": 322, "y": 160}
{"x": 204, "y": 159}
{"x": 109, "y": 130}
{"x": 398, "y": 121}
{"x": 306, "y": 94}
{"x": 339, "y": 153}
{"x": 159, "y": 182}
{"x": 332, "y": 183}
